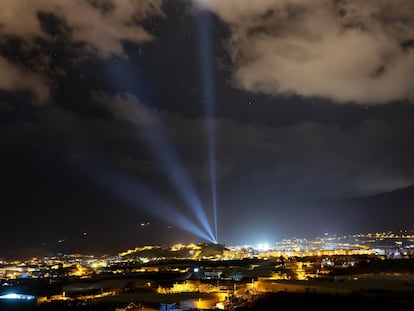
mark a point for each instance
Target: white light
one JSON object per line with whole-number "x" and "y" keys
{"x": 263, "y": 247}
{"x": 10, "y": 296}
{"x": 17, "y": 296}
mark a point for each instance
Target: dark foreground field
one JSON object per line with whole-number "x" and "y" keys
{"x": 275, "y": 301}
{"x": 310, "y": 301}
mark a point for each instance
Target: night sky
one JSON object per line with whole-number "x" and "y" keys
{"x": 107, "y": 109}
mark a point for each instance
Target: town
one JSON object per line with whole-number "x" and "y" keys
{"x": 214, "y": 276}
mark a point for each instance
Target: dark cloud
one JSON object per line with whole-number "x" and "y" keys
{"x": 313, "y": 158}
{"x": 267, "y": 174}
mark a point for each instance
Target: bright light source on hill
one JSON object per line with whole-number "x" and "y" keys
{"x": 263, "y": 247}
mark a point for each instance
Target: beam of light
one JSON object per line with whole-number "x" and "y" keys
{"x": 178, "y": 177}
{"x": 135, "y": 193}
{"x": 168, "y": 159}
{"x": 208, "y": 94}
{"x": 156, "y": 139}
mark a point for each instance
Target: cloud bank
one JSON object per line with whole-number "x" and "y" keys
{"x": 99, "y": 26}
{"x": 344, "y": 50}
{"x": 310, "y": 158}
